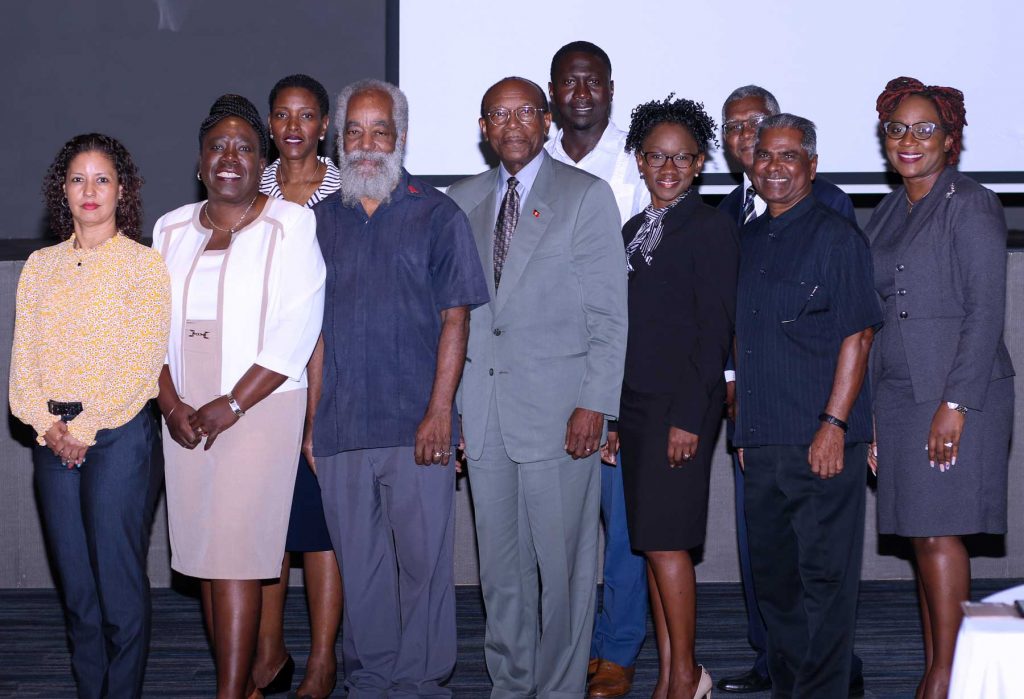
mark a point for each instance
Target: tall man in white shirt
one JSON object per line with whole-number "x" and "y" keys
{"x": 581, "y": 92}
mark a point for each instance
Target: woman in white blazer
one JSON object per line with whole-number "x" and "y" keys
{"x": 247, "y": 284}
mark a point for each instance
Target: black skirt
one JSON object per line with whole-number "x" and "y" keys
{"x": 666, "y": 508}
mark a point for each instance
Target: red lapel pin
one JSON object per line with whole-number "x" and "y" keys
{"x": 536, "y": 214}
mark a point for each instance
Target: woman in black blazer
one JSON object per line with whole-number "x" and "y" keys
{"x": 942, "y": 377}
{"x": 682, "y": 257}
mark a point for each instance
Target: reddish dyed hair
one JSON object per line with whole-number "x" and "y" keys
{"x": 948, "y": 101}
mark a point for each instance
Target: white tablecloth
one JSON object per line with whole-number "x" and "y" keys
{"x": 989, "y": 659}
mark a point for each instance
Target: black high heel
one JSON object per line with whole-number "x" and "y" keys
{"x": 282, "y": 681}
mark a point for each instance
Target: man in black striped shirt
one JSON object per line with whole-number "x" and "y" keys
{"x": 805, "y": 317}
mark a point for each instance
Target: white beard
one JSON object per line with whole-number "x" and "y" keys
{"x": 356, "y": 184}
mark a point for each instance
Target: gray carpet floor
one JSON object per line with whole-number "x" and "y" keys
{"x": 34, "y": 658}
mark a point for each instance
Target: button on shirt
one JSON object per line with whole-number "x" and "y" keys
{"x": 805, "y": 284}
{"x": 388, "y": 278}
{"x": 609, "y": 161}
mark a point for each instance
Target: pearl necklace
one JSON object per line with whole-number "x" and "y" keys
{"x": 238, "y": 223}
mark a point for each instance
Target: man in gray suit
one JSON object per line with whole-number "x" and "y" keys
{"x": 543, "y": 372}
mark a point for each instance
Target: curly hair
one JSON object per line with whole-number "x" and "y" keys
{"x": 684, "y": 112}
{"x": 307, "y": 83}
{"x": 948, "y": 101}
{"x": 128, "y": 215}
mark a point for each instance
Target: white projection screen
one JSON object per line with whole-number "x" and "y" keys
{"x": 823, "y": 60}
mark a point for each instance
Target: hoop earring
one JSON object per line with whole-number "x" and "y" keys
{"x": 64, "y": 201}
{"x": 199, "y": 177}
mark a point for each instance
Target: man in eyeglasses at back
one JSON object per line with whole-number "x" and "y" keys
{"x": 543, "y": 372}
{"x": 744, "y": 110}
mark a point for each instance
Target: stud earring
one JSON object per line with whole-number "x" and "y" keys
{"x": 321, "y": 138}
{"x": 199, "y": 177}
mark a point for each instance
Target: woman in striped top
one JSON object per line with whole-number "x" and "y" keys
{"x": 299, "y": 115}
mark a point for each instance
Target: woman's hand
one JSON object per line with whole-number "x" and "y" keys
{"x": 212, "y": 419}
{"x": 944, "y": 437}
{"x": 72, "y": 451}
{"x": 55, "y": 435}
{"x": 682, "y": 446}
{"x": 178, "y": 425}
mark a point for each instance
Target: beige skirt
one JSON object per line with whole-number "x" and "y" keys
{"x": 228, "y": 508}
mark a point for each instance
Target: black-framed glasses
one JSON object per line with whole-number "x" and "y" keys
{"x": 681, "y": 160}
{"x": 525, "y": 114}
{"x": 740, "y": 125}
{"x": 922, "y": 130}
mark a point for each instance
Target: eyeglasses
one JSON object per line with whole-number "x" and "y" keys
{"x": 681, "y": 160}
{"x": 735, "y": 127}
{"x": 525, "y": 114}
{"x": 922, "y": 130}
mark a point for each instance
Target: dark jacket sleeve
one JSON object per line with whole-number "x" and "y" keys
{"x": 715, "y": 265}
{"x": 978, "y": 230}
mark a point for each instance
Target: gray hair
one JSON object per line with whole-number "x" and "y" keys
{"x": 809, "y": 139}
{"x": 771, "y": 105}
{"x": 399, "y": 105}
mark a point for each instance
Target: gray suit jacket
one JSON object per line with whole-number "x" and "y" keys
{"x": 952, "y": 273}
{"x": 553, "y": 337}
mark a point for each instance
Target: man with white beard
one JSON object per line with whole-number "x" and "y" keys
{"x": 402, "y": 275}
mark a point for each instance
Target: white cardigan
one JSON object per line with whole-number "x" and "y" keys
{"x": 272, "y": 299}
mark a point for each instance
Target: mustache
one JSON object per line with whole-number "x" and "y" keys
{"x": 377, "y": 184}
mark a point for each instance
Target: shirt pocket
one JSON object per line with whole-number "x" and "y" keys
{"x": 801, "y": 301}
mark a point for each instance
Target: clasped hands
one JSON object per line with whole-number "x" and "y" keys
{"x": 188, "y": 425}
{"x": 67, "y": 448}
{"x": 682, "y": 447}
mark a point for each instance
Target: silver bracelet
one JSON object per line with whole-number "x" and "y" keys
{"x": 233, "y": 404}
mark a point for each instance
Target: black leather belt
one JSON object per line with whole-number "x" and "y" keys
{"x": 66, "y": 411}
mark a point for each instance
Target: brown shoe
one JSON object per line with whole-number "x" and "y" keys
{"x": 610, "y": 680}
{"x": 592, "y": 666}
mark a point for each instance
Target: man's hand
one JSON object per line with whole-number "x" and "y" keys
{"x": 434, "y": 438}
{"x": 610, "y": 449}
{"x": 682, "y": 446}
{"x": 826, "y": 453}
{"x": 583, "y": 433}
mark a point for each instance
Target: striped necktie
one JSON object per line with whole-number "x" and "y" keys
{"x": 505, "y": 226}
{"x": 748, "y": 205}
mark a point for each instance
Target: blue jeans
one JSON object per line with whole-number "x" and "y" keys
{"x": 96, "y": 521}
{"x": 621, "y": 625}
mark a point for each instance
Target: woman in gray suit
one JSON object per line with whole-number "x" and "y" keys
{"x": 942, "y": 377}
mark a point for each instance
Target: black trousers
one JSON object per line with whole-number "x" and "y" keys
{"x": 806, "y": 543}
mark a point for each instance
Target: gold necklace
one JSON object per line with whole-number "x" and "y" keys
{"x": 238, "y": 223}
{"x": 310, "y": 185}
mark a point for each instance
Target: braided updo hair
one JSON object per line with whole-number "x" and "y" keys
{"x": 235, "y": 106}
{"x": 684, "y": 112}
{"x": 948, "y": 101}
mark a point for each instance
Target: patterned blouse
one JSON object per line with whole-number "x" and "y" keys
{"x": 91, "y": 326}
{"x": 331, "y": 182}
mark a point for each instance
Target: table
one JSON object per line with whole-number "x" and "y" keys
{"x": 989, "y": 658}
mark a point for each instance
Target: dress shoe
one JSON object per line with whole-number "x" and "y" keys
{"x": 705, "y": 685}
{"x": 749, "y": 681}
{"x": 282, "y": 681}
{"x": 610, "y": 680}
{"x": 592, "y": 666}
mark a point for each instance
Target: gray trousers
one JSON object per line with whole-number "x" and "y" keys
{"x": 536, "y": 529}
{"x": 392, "y": 524}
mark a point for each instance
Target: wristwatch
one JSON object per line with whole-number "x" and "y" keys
{"x": 962, "y": 409}
{"x": 233, "y": 404}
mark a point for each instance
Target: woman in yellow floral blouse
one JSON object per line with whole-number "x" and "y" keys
{"x": 90, "y": 337}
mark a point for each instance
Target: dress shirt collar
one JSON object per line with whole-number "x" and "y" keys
{"x": 609, "y": 145}
{"x": 525, "y": 177}
{"x": 760, "y": 205}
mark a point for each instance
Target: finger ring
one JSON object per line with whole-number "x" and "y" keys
{"x": 438, "y": 454}
{"x": 948, "y": 444}
{"x": 686, "y": 456}
{"x": 446, "y": 453}
{"x": 588, "y": 450}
